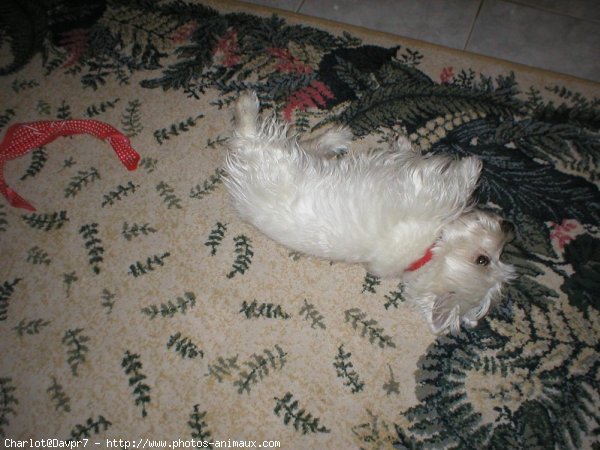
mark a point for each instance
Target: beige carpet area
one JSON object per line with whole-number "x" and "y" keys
{"x": 135, "y": 307}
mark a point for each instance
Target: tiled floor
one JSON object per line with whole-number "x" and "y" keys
{"x": 559, "y": 35}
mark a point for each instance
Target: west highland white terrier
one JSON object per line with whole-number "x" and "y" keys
{"x": 398, "y": 212}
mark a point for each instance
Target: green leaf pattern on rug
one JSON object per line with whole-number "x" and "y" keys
{"x": 141, "y": 391}
{"x": 7, "y": 402}
{"x": 61, "y": 400}
{"x": 311, "y": 313}
{"x": 175, "y": 129}
{"x": 345, "y": 370}
{"x": 95, "y": 110}
{"x": 46, "y": 222}
{"x": 75, "y": 341}
{"x": 254, "y": 310}
{"x": 244, "y": 253}
{"x": 223, "y": 368}
{"x": 83, "y": 178}
{"x": 139, "y": 268}
{"x": 131, "y": 120}
{"x": 167, "y": 194}
{"x": 184, "y": 346}
{"x": 216, "y": 237}
{"x": 134, "y": 230}
{"x": 199, "y": 427}
{"x": 258, "y": 367}
{"x": 368, "y": 327}
{"x": 30, "y": 327}
{"x": 36, "y": 256}
{"x": 3, "y": 221}
{"x": 527, "y": 377}
{"x": 302, "y": 421}
{"x": 7, "y": 289}
{"x": 118, "y": 193}
{"x": 38, "y": 159}
{"x": 180, "y": 306}
{"x": 93, "y": 245}
{"x": 208, "y": 185}
{"x": 90, "y": 427}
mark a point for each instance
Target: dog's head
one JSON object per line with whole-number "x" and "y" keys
{"x": 466, "y": 275}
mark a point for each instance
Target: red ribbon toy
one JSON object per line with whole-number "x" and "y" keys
{"x": 23, "y": 137}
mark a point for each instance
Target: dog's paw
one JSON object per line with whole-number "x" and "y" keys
{"x": 338, "y": 152}
{"x": 334, "y": 142}
{"x": 247, "y": 104}
{"x": 340, "y": 139}
{"x": 246, "y": 113}
{"x": 404, "y": 145}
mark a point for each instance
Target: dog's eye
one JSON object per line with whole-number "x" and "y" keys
{"x": 482, "y": 260}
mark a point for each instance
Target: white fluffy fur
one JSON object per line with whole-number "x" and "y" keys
{"x": 383, "y": 210}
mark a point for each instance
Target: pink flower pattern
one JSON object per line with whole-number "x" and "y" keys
{"x": 313, "y": 95}
{"x": 447, "y": 75}
{"x": 227, "y": 49}
{"x": 562, "y": 233}
{"x": 288, "y": 63}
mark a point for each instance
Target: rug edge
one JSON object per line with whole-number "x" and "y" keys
{"x": 360, "y": 30}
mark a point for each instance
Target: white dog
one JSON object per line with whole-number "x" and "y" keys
{"x": 399, "y": 213}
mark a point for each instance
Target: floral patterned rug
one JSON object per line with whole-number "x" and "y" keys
{"x": 137, "y": 310}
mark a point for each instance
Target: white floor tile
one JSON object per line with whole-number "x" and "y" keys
{"x": 537, "y": 38}
{"x": 442, "y": 22}
{"x": 582, "y": 9}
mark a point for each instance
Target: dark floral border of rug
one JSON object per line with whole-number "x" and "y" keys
{"x": 541, "y": 168}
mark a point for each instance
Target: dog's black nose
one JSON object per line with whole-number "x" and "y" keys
{"x": 507, "y": 228}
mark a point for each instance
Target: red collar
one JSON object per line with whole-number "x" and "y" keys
{"x": 421, "y": 261}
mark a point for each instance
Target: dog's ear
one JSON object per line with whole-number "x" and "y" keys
{"x": 445, "y": 314}
{"x": 471, "y": 168}
{"x": 509, "y": 230}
